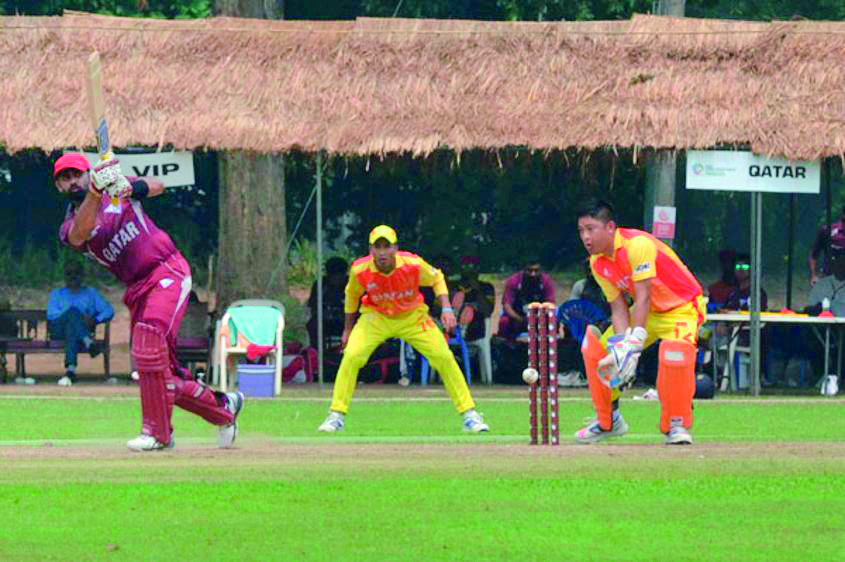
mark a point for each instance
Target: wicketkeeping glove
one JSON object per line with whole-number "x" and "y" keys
{"x": 618, "y": 369}
{"x": 108, "y": 177}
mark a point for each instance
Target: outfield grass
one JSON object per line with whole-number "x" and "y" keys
{"x": 764, "y": 481}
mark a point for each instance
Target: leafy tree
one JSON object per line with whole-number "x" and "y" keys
{"x": 767, "y": 10}
{"x": 169, "y": 9}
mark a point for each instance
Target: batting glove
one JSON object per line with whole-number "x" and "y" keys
{"x": 108, "y": 177}
{"x": 618, "y": 369}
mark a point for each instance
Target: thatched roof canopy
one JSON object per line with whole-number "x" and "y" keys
{"x": 383, "y": 86}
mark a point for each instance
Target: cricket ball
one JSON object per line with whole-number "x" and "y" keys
{"x": 530, "y": 375}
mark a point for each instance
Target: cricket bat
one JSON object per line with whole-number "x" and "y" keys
{"x": 96, "y": 106}
{"x": 97, "y": 110}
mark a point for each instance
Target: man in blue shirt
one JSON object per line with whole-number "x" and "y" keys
{"x": 72, "y": 315}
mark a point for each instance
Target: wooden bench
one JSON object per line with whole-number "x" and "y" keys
{"x": 33, "y": 337}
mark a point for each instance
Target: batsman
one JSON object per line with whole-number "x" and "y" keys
{"x": 667, "y": 306}
{"x": 106, "y": 222}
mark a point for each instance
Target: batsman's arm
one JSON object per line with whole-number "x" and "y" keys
{"x": 155, "y": 187}
{"x": 85, "y": 220}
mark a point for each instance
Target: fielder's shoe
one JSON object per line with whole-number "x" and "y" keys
{"x": 678, "y": 435}
{"x": 229, "y": 432}
{"x": 65, "y": 381}
{"x": 333, "y": 423}
{"x": 144, "y": 443}
{"x": 474, "y": 423}
{"x": 593, "y": 433}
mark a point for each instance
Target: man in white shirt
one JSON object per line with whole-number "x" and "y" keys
{"x": 831, "y": 287}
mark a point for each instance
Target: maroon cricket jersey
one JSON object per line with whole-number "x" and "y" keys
{"x": 124, "y": 240}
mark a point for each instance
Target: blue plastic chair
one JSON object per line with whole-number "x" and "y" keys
{"x": 456, "y": 339}
{"x": 577, "y": 314}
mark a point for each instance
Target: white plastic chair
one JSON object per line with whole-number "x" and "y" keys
{"x": 270, "y": 333}
{"x": 482, "y": 345}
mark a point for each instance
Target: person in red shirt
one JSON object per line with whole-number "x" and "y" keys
{"x": 667, "y": 305}
{"x": 828, "y": 239}
{"x": 521, "y": 289}
{"x": 719, "y": 291}
{"x": 383, "y": 301}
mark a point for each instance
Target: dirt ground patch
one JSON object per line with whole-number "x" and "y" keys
{"x": 257, "y": 451}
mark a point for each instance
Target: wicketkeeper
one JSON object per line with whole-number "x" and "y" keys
{"x": 667, "y": 305}
{"x": 106, "y": 222}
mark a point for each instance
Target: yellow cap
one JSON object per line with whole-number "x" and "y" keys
{"x": 382, "y": 231}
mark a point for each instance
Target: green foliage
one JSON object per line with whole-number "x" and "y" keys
{"x": 303, "y": 267}
{"x": 500, "y": 206}
{"x": 767, "y": 10}
{"x": 37, "y": 268}
{"x": 168, "y": 9}
{"x": 529, "y": 10}
{"x": 295, "y": 319}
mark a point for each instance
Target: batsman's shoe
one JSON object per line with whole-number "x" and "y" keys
{"x": 474, "y": 423}
{"x": 678, "y": 435}
{"x": 333, "y": 423}
{"x": 144, "y": 443}
{"x": 593, "y": 432}
{"x": 229, "y": 432}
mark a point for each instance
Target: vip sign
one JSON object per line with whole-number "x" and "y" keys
{"x": 171, "y": 168}
{"x": 730, "y": 170}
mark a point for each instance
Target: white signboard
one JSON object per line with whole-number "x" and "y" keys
{"x": 731, "y": 170}
{"x": 663, "y": 225}
{"x": 171, "y": 168}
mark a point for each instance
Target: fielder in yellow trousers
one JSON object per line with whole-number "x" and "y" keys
{"x": 384, "y": 288}
{"x": 667, "y": 305}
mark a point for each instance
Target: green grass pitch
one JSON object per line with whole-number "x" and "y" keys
{"x": 765, "y": 480}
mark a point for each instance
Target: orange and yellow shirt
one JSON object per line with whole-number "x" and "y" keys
{"x": 637, "y": 256}
{"x": 393, "y": 294}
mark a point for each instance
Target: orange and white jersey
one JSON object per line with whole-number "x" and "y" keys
{"x": 638, "y": 256}
{"x": 393, "y": 294}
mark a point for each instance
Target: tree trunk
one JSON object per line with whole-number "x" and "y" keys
{"x": 661, "y": 169}
{"x": 252, "y": 257}
{"x": 661, "y": 166}
{"x": 253, "y": 230}
{"x": 259, "y": 9}
{"x": 675, "y": 8}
